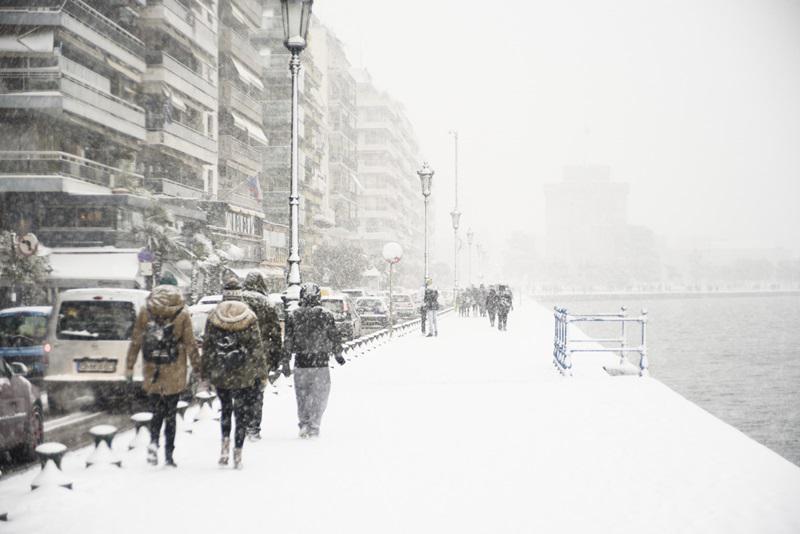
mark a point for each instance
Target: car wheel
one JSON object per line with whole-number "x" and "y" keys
{"x": 34, "y": 435}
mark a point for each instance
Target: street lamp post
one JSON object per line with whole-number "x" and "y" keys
{"x": 456, "y": 216}
{"x": 392, "y": 253}
{"x": 296, "y": 19}
{"x": 426, "y": 180}
{"x": 470, "y": 235}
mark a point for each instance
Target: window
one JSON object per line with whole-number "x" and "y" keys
{"x": 96, "y": 320}
{"x": 22, "y": 330}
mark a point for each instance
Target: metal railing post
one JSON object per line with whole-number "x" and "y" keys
{"x": 643, "y": 364}
{"x": 622, "y": 336}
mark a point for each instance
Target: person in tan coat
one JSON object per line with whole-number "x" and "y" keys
{"x": 163, "y": 334}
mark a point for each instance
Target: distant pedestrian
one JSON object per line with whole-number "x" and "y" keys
{"x": 163, "y": 333}
{"x": 254, "y": 293}
{"x": 482, "y": 294}
{"x": 432, "y": 307}
{"x": 311, "y": 337}
{"x": 504, "y": 306}
{"x": 491, "y": 305}
{"x": 235, "y": 362}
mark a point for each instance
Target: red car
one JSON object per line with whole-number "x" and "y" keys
{"x": 21, "y": 416}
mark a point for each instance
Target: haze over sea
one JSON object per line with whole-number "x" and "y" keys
{"x": 737, "y": 357}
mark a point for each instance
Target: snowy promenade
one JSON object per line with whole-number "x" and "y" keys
{"x": 473, "y": 431}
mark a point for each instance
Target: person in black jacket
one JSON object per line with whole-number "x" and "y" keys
{"x": 312, "y": 337}
{"x": 254, "y": 294}
{"x": 431, "y": 307}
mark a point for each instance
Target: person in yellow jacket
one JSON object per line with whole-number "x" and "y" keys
{"x": 163, "y": 334}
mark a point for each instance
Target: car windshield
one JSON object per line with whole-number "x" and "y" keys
{"x": 23, "y": 330}
{"x": 335, "y": 306}
{"x": 370, "y": 306}
{"x": 96, "y": 320}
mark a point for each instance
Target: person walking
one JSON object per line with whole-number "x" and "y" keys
{"x": 482, "y": 300}
{"x": 254, "y": 293}
{"x": 163, "y": 334}
{"x": 311, "y": 337}
{"x": 234, "y": 362}
{"x": 504, "y": 305}
{"x": 491, "y": 305}
{"x": 431, "y": 307}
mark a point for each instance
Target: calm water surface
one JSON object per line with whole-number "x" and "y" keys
{"x": 736, "y": 357}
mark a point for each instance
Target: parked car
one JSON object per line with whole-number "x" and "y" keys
{"x": 405, "y": 308}
{"x": 21, "y": 415}
{"x": 344, "y": 313}
{"x": 23, "y": 338}
{"x": 89, "y": 332}
{"x": 209, "y": 299}
{"x": 374, "y": 312}
{"x": 354, "y": 293}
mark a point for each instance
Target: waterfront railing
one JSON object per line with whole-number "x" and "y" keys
{"x": 565, "y": 345}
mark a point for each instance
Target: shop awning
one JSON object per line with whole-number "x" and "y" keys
{"x": 238, "y": 15}
{"x": 87, "y": 267}
{"x": 250, "y": 127}
{"x": 247, "y": 75}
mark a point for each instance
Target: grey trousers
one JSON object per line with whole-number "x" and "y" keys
{"x": 312, "y": 385}
{"x": 433, "y": 323}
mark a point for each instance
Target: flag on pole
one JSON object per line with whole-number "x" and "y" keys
{"x": 254, "y": 185}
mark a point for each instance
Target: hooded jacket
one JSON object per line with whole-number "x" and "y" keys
{"x": 254, "y": 294}
{"x": 312, "y": 336}
{"x": 233, "y": 317}
{"x": 165, "y": 303}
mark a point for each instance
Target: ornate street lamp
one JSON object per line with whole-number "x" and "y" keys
{"x": 456, "y": 216}
{"x": 296, "y": 19}
{"x": 470, "y": 236}
{"x": 392, "y": 253}
{"x": 426, "y": 180}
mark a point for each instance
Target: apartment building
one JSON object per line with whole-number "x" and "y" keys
{"x": 316, "y": 215}
{"x": 390, "y": 204}
{"x": 108, "y": 109}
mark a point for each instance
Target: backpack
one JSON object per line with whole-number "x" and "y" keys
{"x": 160, "y": 346}
{"x": 230, "y": 351}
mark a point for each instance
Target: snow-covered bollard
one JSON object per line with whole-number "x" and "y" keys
{"x": 103, "y": 455}
{"x": 206, "y": 400}
{"x": 51, "y": 476}
{"x": 181, "y": 408}
{"x": 140, "y": 420}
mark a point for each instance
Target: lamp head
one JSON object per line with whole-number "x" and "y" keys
{"x": 426, "y": 179}
{"x": 296, "y": 19}
{"x": 456, "y": 216}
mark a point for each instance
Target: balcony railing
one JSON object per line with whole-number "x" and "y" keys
{"x": 54, "y": 163}
{"x": 185, "y": 20}
{"x": 204, "y": 81}
{"x": 82, "y": 12}
{"x": 234, "y": 97}
{"x": 231, "y": 148}
{"x": 30, "y": 84}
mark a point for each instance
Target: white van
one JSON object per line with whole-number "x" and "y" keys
{"x": 89, "y": 333}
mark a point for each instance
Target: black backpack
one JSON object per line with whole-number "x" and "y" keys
{"x": 160, "y": 346}
{"x": 230, "y": 351}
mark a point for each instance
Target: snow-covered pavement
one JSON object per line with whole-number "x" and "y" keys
{"x": 473, "y": 431}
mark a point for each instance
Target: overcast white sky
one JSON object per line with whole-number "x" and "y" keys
{"x": 695, "y": 103}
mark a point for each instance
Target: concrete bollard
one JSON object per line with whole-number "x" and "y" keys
{"x": 140, "y": 419}
{"x": 51, "y": 476}
{"x": 103, "y": 455}
{"x": 181, "y": 408}
{"x": 206, "y": 401}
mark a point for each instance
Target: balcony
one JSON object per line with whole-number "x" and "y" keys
{"x": 181, "y": 138}
{"x": 238, "y": 45}
{"x": 173, "y": 188}
{"x": 57, "y": 91}
{"x": 233, "y": 97}
{"x": 173, "y": 16}
{"x": 51, "y": 171}
{"x": 166, "y": 69}
{"x": 232, "y": 149}
{"x": 80, "y": 19}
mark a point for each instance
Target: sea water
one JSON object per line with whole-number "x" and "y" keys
{"x": 737, "y": 357}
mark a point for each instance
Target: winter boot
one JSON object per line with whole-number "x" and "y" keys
{"x": 237, "y": 458}
{"x": 168, "y": 460}
{"x": 152, "y": 454}
{"x": 303, "y": 431}
{"x": 225, "y": 453}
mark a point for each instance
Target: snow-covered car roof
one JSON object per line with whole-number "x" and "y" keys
{"x": 31, "y": 310}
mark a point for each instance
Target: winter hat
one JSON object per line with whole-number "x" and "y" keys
{"x": 232, "y": 289}
{"x": 168, "y": 279}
